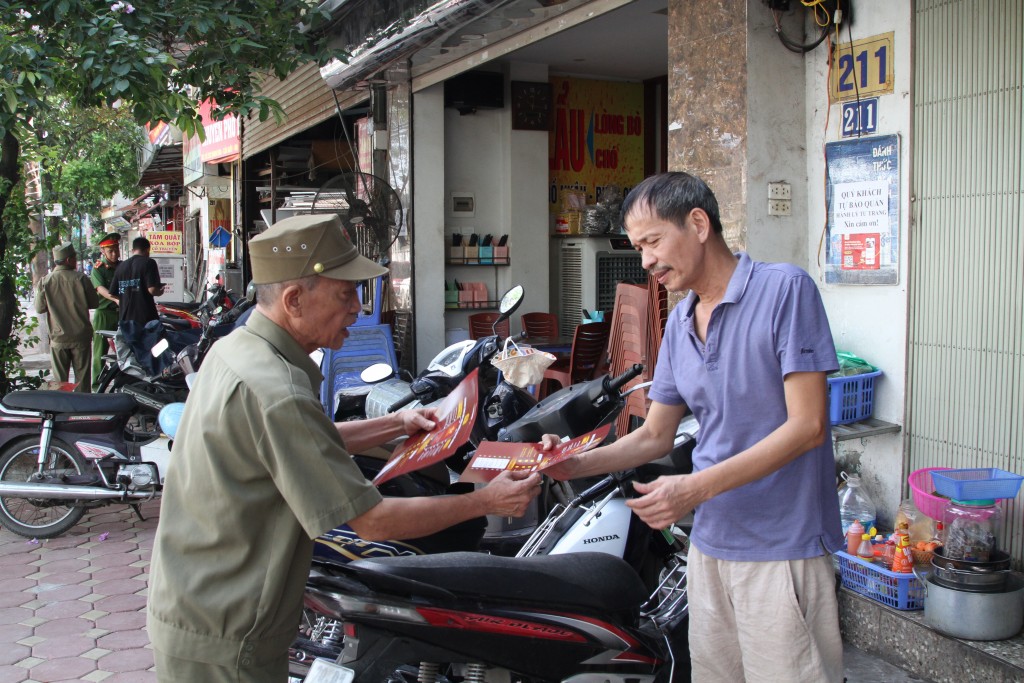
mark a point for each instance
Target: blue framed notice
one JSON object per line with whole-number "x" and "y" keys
{"x": 863, "y": 205}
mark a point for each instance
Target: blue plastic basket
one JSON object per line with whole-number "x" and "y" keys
{"x": 852, "y": 398}
{"x": 902, "y": 591}
{"x": 982, "y": 483}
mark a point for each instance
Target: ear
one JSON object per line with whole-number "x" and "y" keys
{"x": 701, "y": 224}
{"x": 291, "y": 300}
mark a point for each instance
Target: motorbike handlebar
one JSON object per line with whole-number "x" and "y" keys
{"x": 407, "y": 398}
{"x": 616, "y": 383}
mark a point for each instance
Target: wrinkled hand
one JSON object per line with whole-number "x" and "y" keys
{"x": 511, "y": 492}
{"x": 665, "y": 500}
{"x": 418, "y": 420}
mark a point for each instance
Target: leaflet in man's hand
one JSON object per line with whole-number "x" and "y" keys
{"x": 455, "y": 418}
{"x": 494, "y": 457}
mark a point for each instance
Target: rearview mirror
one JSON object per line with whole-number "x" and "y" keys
{"x": 378, "y": 372}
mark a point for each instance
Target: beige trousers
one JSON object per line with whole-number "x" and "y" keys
{"x": 175, "y": 670}
{"x": 763, "y": 621}
{"x": 78, "y": 356}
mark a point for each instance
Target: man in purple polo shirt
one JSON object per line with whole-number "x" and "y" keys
{"x": 747, "y": 351}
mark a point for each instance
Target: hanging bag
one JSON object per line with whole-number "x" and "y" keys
{"x": 522, "y": 365}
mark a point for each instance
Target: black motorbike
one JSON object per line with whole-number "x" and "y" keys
{"x": 593, "y": 595}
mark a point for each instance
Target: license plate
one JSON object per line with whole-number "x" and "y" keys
{"x": 324, "y": 671}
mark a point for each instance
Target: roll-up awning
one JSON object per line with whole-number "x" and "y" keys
{"x": 395, "y": 34}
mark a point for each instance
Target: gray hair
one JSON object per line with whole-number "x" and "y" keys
{"x": 271, "y": 292}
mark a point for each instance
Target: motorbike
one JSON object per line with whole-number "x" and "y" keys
{"x": 499, "y": 403}
{"x": 593, "y": 595}
{"x": 64, "y": 453}
{"x": 123, "y": 373}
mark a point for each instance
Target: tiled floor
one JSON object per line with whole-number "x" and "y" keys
{"x": 73, "y": 608}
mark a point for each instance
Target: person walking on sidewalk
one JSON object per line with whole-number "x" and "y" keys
{"x": 106, "y": 314}
{"x": 65, "y": 296}
{"x": 135, "y": 284}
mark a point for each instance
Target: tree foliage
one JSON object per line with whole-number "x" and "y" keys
{"x": 156, "y": 58}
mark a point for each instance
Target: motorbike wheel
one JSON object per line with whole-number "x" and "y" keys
{"x": 36, "y": 517}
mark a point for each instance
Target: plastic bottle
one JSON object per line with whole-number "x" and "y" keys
{"x": 866, "y": 551}
{"x": 853, "y": 537}
{"x": 854, "y": 503}
{"x": 903, "y": 558}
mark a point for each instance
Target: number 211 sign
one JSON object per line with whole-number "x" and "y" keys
{"x": 862, "y": 68}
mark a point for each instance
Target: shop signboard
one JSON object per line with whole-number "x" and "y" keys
{"x": 597, "y": 139}
{"x": 863, "y": 205}
{"x": 222, "y": 143}
{"x": 164, "y": 241}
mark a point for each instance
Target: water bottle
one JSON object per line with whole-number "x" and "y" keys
{"x": 854, "y": 503}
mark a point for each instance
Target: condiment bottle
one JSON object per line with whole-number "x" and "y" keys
{"x": 903, "y": 557}
{"x": 853, "y": 537}
{"x": 866, "y": 551}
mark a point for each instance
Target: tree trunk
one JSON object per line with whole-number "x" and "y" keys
{"x": 10, "y": 174}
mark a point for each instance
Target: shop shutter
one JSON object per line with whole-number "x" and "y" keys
{"x": 965, "y": 401}
{"x": 306, "y": 101}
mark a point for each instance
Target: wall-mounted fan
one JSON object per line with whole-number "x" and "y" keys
{"x": 369, "y": 208}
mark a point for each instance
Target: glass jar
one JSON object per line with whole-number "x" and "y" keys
{"x": 972, "y": 529}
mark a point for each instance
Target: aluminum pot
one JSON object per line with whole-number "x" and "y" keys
{"x": 972, "y": 615}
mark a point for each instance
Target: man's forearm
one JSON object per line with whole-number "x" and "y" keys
{"x": 362, "y": 434}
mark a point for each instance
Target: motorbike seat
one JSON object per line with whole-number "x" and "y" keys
{"x": 71, "y": 402}
{"x": 590, "y": 580}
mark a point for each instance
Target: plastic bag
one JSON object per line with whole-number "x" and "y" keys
{"x": 522, "y": 365}
{"x": 850, "y": 364}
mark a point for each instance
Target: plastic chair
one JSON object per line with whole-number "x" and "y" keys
{"x": 482, "y": 325}
{"x": 589, "y": 348}
{"x": 365, "y": 346}
{"x": 538, "y": 324}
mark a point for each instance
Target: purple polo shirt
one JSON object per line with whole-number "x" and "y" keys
{"x": 770, "y": 323}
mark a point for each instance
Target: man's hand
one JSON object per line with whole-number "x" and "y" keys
{"x": 509, "y": 494}
{"x": 666, "y": 499}
{"x": 418, "y": 420}
{"x": 565, "y": 470}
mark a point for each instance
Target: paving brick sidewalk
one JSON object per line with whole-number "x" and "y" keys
{"x": 73, "y": 608}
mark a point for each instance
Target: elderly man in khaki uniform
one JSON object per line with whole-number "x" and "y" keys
{"x": 260, "y": 471}
{"x": 65, "y": 296}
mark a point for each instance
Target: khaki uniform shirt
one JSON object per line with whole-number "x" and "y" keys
{"x": 66, "y": 296}
{"x": 258, "y": 471}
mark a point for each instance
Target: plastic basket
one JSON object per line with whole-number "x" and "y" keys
{"x": 901, "y": 591}
{"x": 922, "y": 490}
{"x": 851, "y": 398}
{"x": 981, "y": 483}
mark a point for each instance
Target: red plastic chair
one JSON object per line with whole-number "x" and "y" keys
{"x": 588, "y": 356}
{"x": 538, "y": 324}
{"x": 482, "y": 325}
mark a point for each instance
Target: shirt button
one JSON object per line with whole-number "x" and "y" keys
{"x": 246, "y": 661}
{"x": 249, "y": 647}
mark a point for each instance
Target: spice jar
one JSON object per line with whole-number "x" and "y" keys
{"x": 972, "y": 529}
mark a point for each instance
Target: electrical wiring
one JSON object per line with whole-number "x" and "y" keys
{"x": 824, "y": 157}
{"x": 820, "y": 10}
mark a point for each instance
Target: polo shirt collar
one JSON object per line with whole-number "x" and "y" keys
{"x": 734, "y": 290}
{"x": 264, "y": 327}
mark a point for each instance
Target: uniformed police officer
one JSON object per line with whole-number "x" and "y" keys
{"x": 106, "y": 314}
{"x": 260, "y": 470}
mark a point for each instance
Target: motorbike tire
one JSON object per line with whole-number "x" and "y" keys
{"x": 31, "y": 517}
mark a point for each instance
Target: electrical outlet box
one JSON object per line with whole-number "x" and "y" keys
{"x": 780, "y": 207}
{"x": 780, "y": 190}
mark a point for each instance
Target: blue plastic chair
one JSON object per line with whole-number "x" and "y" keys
{"x": 366, "y": 344}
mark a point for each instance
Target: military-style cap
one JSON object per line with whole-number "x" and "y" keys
{"x": 300, "y": 246}
{"x": 111, "y": 239}
{"x": 63, "y": 251}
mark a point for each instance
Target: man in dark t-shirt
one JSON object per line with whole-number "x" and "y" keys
{"x": 136, "y": 282}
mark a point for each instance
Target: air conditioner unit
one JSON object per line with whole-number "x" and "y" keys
{"x": 589, "y": 269}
